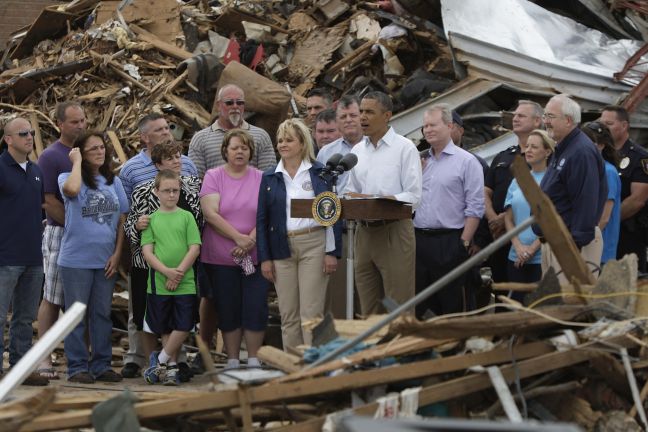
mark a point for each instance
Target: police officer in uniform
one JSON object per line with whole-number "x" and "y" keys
{"x": 526, "y": 118}
{"x": 633, "y": 170}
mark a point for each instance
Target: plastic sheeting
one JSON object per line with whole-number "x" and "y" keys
{"x": 528, "y": 29}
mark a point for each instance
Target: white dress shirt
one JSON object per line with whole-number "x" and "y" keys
{"x": 393, "y": 167}
{"x": 342, "y": 147}
{"x": 301, "y": 187}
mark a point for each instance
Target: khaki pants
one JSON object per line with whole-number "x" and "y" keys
{"x": 384, "y": 264}
{"x": 301, "y": 286}
{"x": 591, "y": 253}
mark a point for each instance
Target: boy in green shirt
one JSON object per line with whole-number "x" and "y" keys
{"x": 170, "y": 245}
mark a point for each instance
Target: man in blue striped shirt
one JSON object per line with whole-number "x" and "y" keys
{"x": 140, "y": 169}
{"x": 154, "y": 130}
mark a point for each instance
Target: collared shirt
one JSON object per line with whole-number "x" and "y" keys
{"x": 453, "y": 189}
{"x": 21, "y": 200}
{"x": 392, "y": 167}
{"x": 301, "y": 187}
{"x": 140, "y": 169}
{"x": 576, "y": 184}
{"x": 499, "y": 176}
{"x": 205, "y": 148}
{"x": 342, "y": 147}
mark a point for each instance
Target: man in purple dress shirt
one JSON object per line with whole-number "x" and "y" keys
{"x": 448, "y": 216}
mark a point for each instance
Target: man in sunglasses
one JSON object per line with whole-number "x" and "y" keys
{"x": 71, "y": 120}
{"x": 633, "y": 168}
{"x": 205, "y": 146}
{"x": 21, "y": 259}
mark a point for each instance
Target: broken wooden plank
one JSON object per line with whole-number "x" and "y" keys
{"x": 119, "y": 151}
{"x": 395, "y": 347}
{"x": 553, "y": 227}
{"x": 38, "y": 138}
{"x": 466, "y": 385}
{"x": 107, "y": 115}
{"x": 164, "y": 47}
{"x": 279, "y": 359}
{"x": 299, "y": 389}
{"x": 516, "y": 322}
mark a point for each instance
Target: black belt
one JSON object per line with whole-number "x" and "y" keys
{"x": 436, "y": 231}
{"x": 376, "y": 223}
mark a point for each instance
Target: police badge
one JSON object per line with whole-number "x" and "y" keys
{"x": 624, "y": 162}
{"x": 326, "y": 208}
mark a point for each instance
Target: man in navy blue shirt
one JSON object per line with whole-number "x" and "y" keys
{"x": 21, "y": 260}
{"x": 575, "y": 181}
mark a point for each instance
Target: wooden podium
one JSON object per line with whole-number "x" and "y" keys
{"x": 355, "y": 209}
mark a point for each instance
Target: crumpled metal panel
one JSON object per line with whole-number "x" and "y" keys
{"x": 527, "y": 29}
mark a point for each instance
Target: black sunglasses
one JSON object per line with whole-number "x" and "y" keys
{"x": 25, "y": 133}
{"x": 230, "y": 102}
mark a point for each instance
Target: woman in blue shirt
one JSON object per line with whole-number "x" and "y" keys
{"x": 95, "y": 210}
{"x": 610, "y": 222}
{"x": 524, "y": 256}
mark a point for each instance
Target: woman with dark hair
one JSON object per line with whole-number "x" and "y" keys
{"x": 610, "y": 222}
{"x": 165, "y": 156}
{"x": 296, "y": 254}
{"x": 236, "y": 288}
{"x": 95, "y": 209}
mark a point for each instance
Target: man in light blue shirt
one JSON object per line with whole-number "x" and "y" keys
{"x": 140, "y": 169}
{"x": 449, "y": 212}
{"x": 348, "y": 123}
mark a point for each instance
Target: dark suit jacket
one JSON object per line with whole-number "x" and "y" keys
{"x": 272, "y": 234}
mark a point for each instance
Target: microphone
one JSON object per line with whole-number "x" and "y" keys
{"x": 333, "y": 162}
{"x": 346, "y": 163}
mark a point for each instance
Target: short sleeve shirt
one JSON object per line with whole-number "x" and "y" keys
{"x": 237, "y": 205}
{"x": 521, "y": 211}
{"x": 91, "y": 221}
{"x": 171, "y": 234}
{"x": 53, "y": 162}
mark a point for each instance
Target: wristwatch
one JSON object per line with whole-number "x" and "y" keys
{"x": 466, "y": 243}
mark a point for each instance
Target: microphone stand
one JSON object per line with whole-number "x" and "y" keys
{"x": 350, "y": 226}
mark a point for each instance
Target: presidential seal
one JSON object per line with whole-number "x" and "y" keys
{"x": 326, "y": 208}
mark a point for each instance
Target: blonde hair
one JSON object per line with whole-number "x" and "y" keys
{"x": 298, "y": 129}
{"x": 547, "y": 141}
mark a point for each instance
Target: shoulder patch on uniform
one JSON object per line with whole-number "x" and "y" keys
{"x": 644, "y": 165}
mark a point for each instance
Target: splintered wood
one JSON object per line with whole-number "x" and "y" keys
{"x": 448, "y": 371}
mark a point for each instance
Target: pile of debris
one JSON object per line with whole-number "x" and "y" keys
{"x": 126, "y": 58}
{"x": 125, "y": 61}
{"x": 564, "y": 363}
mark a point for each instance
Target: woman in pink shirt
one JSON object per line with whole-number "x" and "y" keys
{"x": 229, "y": 199}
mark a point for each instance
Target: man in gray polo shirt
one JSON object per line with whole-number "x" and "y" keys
{"x": 205, "y": 146}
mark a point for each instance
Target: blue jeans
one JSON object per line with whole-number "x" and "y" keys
{"x": 90, "y": 287}
{"x": 20, "y": 288}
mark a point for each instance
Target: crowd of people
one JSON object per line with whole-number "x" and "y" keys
{"x": 205, "y": 235}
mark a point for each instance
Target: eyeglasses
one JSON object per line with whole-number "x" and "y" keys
{"x": 170, "y": 191}
{"x": 230, "y": 102}
{"x": 25, "y": 133}
{"x": 546, "y": 116}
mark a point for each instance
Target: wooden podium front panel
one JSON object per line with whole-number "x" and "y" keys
{"x": 358, "y": 209}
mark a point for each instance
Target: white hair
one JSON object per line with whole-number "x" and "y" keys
{"x": 569, "y": 107}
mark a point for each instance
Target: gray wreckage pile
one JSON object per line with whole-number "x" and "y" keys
{"x": 552, "y": 364}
